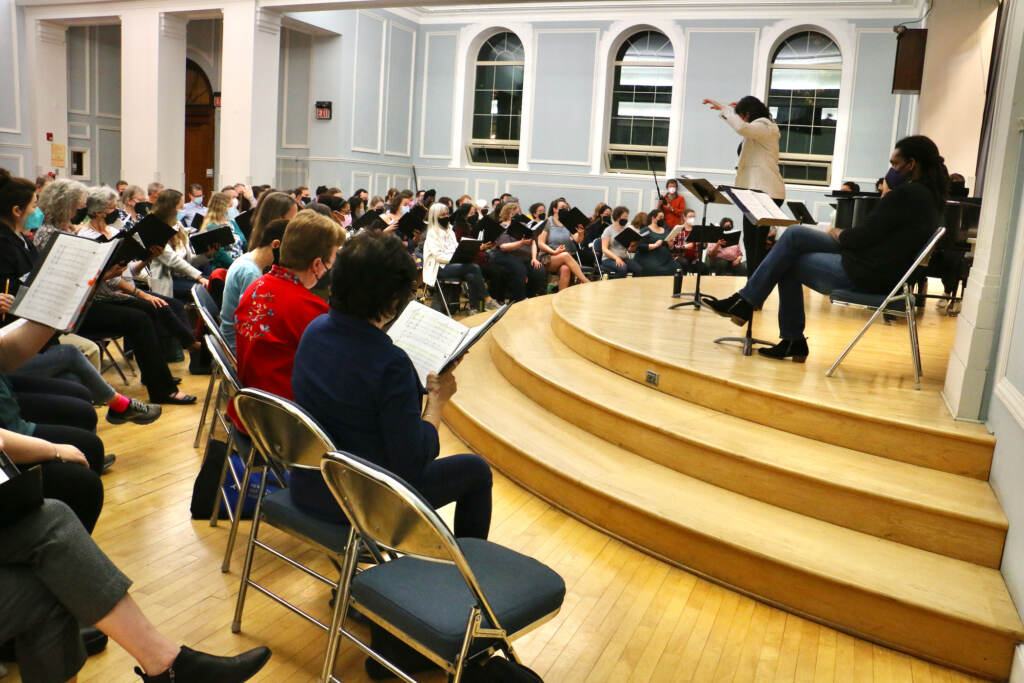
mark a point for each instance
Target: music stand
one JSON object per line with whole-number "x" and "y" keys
{"x": 800, "y": 212}
{"x": 761, "y": 210}
{"x": 700, "y": 235}
{"x": 706, "y": 193}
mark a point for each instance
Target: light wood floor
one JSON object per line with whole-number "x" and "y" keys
{"x": 626, "y": 617}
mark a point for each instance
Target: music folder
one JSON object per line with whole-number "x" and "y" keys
{"x": 705, "y": 234}
{"x": 627, "y": 236}
{"x": 757, "y": 206}
{"x": 521, "y": 231}
{"x": 412, "y": 222}
{"x": 466, "y": 251}
{"x": 222, "y": 237}
{"x": 489, "y": 228}
{"x": 60, "y": 287}
{"x": 367, "y": 220}
{"x": 573, "y": 218}
{"x": 20, "y": 492}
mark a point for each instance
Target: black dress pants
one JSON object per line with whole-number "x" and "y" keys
{"x": 134, "y": 320}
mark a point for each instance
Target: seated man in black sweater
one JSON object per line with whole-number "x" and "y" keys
{"x": 871, "y": 256}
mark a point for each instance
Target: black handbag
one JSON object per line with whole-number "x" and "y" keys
{"x": 20, "y": 492}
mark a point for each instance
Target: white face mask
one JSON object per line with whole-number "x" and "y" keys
{"x": 689, "y": 220}
{"x": 671, "y": 189}
{"x": 405, "y": 209}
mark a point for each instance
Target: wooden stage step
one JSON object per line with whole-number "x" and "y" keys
{"x": 947, "y": 610}
{"x": 870, "y": 405}
{"x": 949, "y": 514}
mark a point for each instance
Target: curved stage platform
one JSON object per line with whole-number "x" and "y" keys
{"x": 853, "y": 500}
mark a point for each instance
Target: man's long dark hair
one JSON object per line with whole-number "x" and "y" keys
{"x": 934, "y": 175}
{"x": 753, "y": 108}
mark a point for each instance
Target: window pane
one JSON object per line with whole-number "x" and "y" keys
{"x": 646, "y": 46}
{"x": 827, "y": 116}
{"x": 503, "y": 47}
{"x": 799, "y": 140}
{"x": 660, "y": 133}
{"x": 484, "y": 77}
{"x": 648, "y": 109}
{"x": 818, "y": 173}
{"x": 637, "y": 163}
{"x": 646, "y": 75}
{"x": 502, "y": 102}
{"x": 824, "y": 141}
{"x": 517, "y": 102}
{"x": 482, "y": 102}
{"x": 503, "y": 77}
{"x": 482, "y": 127}
{"x": 503, "y": 129}
{"x": 516, "y": 121}
{"x": 620, "y": 131}
{"x": 808, "y": 48}
{"x": 643, "y": 132}
{"x": 805, "y": 79}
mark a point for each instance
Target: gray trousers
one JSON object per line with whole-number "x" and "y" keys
{"x": 53, "y": 577}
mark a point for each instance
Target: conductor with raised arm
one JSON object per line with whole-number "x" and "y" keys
{"x": 758, "y": 165}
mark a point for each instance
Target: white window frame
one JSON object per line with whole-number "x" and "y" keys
{"x": 487, "y": 142}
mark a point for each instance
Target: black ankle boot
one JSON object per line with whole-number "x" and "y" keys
{"x": 788, "y": 348}
{"x": 736, "y": 308}
{"x": 198, "y": 667}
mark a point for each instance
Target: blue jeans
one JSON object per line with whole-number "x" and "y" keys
{"x": 64, "y": 361}
{"x": 629, "y": 266}
{"x": 802, "y": 256}
{"x": 471, "y": 274}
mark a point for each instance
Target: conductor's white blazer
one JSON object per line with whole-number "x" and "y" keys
{"x": 758, "y": 166}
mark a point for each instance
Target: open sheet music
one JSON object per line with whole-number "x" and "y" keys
{"x": 59, "y": 289}
{"x": 759, "y": 206}
{"x": 432, "y": 340}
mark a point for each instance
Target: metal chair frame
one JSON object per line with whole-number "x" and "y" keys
{"x": 389, "y": 515}
{"x": 439, "y": 288}
{"x": 286, "y": 437}
{"x": 211, "y": 320}
{"x": 103, "y": 343}
{"x": 595, "y": 247}
{"x": 901, "y": 292}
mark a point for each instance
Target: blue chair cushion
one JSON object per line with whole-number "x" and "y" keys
{"x": 430, "y": 601}
{"x": 279, "y": 511}
{"x": 849, "y": 296}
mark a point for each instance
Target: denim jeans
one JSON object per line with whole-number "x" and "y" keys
{"x": 67, "y": 362}
{"x": 629, "y": 266}
{"x": 474, "y": 278}
{"x": 802, "y": 256}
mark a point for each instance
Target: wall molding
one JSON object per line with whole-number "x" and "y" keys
{"x": 87, "y": 162}
{"x": 94, "y": 36}
{"x": 1012, "y": 399}
{"x": 286, "y": 37}
{"x": 486, "y": 196}
{"x": 392, "y": 26}
{"x": 425, "y": 86}
{"x": 426, "y": 186}
{"x": 377, "y": 184}
{"x": 20, "y": 158}
{"x": 83, "y": 133}
{"x": 532, "y": 183}
{"x": 16, "y": 74}
{"x": 367, "y": 185}
{"x": 87, "y": 58}
{"x": 355, "y": 80}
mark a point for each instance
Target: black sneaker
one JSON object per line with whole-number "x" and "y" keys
{"x": 198, "y": 667}
{"x": 108, "y": 460}
{"x": 137, "y": 412}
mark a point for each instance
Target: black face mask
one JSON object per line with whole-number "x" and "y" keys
{"x": 112, "y": 218}
{"x": 307, "y": 200}
{"x": 541, "y": 216}
{"x": 80, "y": 216}
{"x": 623, "y": 222}
{"x": 472, "y": 219}
{"x": 444, "y": 221}
{"x": 607, "y": 220}
{"x": 142, "y": 208}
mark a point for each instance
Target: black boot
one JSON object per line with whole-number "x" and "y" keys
{"x": 95, "y": 640}
{"x": 788, "y": 348}
{"x": 198, "y": 667}
{"x": 736, "y": 308}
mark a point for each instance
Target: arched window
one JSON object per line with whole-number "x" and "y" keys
{"x": 803, "y": 99}
{"x": 498, "y": 101}
{"x": 641, "y": 104}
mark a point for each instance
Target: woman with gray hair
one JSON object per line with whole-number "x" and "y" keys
{"x": 101, "y": 208}
{"x": 131, "y": 196}
{"x": 59, "y": 201}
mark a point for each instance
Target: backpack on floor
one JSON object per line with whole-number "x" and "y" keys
{"x": 206, "y": 486}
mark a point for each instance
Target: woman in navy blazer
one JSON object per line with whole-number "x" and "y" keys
{"x": 364, "y": 391}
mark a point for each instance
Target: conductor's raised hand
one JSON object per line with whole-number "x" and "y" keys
{"x": 715, "y": 105}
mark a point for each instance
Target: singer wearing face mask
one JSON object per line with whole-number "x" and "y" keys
{"x": 686, "y": 252}
{"x": 618, "y": 259}
{"x": 246, "y": 270}
{"x": 439, "y": 245}
{"x": 672, "y": 204}
{"x": 194, "y": 205}
{"x": 870, "y": 257}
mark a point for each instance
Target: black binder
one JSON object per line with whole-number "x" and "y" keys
{"x": 627, "y": 237}
{"x": 20, "y": 492}
{"x": 706, "y": 234}
{"x": 573, "y": 218}
{"x": 466, "y": 251}
{"x": 222, "y": 237}
{"x": 369, "y": 219}
{"x": 521, "y": 231}
{"x": 412, "y": 221}
{"x": 491, "y": 228}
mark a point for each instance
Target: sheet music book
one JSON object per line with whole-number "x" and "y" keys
{"x": 704, "y": 234}
{"x": 573, "y": 218}
{"x": 367, "y": 219}
{"x": 522, "y": 231}
{"x": 433, "y": 341}
{"x": 412, "y": 221}
{"x": 466, "y": 251}
{"x": 222, "y": 236}
{"x": 627, "y": 236}
{"x": 490, "y": 229}
{"x": 58, "y": 290}
{"x": 758, "y": 206}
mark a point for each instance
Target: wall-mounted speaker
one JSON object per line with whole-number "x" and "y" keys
{"x": 909, "y": 69}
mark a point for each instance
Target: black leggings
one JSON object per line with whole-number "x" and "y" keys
{"x": 524, "y": 279}
{"x": 54, "y": 401}
{"x": 173, "y": 322}
{"x": 77, "y": 487}
{"x": 134, "y": 319}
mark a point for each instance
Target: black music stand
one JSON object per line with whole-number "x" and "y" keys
{"x": 761, "y": 214}
{"x": 700, "y": 235}
{"x": 706, "y": 193}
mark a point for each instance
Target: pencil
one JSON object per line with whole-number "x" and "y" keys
{"x": 7, "y": 290}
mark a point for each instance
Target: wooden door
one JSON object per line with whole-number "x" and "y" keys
{"x": 200, "y": 134}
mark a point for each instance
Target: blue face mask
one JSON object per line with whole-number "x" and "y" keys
{"x": 181, "y": 215}
{"x": 232, "y": 213}
{"x": 894, "y": 177}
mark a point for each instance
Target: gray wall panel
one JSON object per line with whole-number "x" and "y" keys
{"x": 79, "y": 61}
{"x": 297, "y": 104}
{"x": 719, "y": 65}
{"x": 109, "y": 146}
{"x": 398, "y": 103}
{"x": 439, "y": 70}
{"x": 108, "y": 70}
{"x": 874, "y": 106}
{"x": 370, "y": 37}
{"x": 563, "y": 96}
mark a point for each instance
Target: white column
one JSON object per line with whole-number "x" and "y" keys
{"x": 153, "y": 99}
{"x": 48, "y": 64}
{"x": 248, "y": 114}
